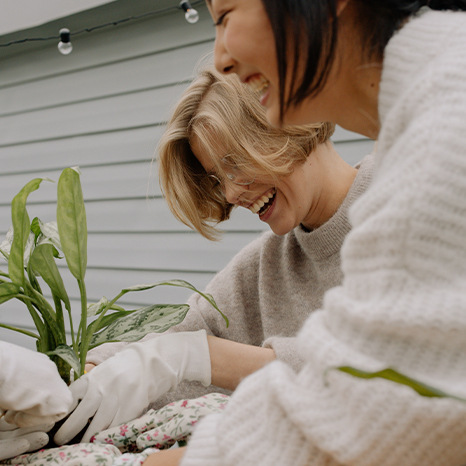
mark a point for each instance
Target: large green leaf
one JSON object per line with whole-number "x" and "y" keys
{"x": 71, "y": 220}
{"x": 182, "y": 284}
{"x": 394, "y": 376}
{"x": 8, "y": 291}
{"x": 66, "y": 353}
{"x": 43, "y": 261}
{"x": 21, "y": 230}
{"x": 153, "y": 319}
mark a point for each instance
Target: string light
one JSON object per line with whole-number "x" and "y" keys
{"x": 191, "y": 15}
{"x": 65, "y": 46}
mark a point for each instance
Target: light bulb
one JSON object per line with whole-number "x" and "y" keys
{"x": 64, "y": 46}
{"x": 191, "y": 15}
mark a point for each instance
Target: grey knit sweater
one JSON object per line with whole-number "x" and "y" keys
{"x": 268, "y": 289}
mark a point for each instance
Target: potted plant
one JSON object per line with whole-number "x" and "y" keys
{"x": 31, "y": 250}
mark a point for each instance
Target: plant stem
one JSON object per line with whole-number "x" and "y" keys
{"x": 82, "y": 331}
{"x": 25, "y": 332}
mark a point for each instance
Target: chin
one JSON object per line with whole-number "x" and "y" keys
{"x": 279, "y": 231}
{"x": 273, "y": 117}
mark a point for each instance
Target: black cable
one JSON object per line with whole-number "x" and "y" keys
{"x": 112, "y": 23}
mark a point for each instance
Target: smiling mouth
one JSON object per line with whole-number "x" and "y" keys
{"x": 263, "y": 204}
{"x": 259, "y": 84}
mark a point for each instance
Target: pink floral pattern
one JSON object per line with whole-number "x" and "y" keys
{"x": 83, "y": 454}
{"x": 164, "y": 427}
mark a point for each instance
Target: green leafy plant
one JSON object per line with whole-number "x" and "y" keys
{"x": 32, "y": 249}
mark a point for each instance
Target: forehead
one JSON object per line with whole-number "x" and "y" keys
{"x": 208, "y": 152}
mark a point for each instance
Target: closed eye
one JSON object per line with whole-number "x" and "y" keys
{"x": 220, "y": 19}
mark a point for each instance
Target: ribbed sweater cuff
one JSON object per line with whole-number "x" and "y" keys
{"x": 202, "y": 449}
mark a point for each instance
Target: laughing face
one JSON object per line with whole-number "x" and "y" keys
{"x": 245, "y": 45}
{"x": 310, "y": 195}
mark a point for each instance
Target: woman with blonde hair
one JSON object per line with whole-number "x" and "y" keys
{"x": 217, "y": 153}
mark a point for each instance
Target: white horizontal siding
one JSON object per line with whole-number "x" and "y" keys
{"x": 104, "y": 108}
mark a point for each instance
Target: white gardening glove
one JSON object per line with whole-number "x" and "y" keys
{"x": 16, "y": 441}
{"x": 119, "y": 389}
{"x": 31, "y": 390}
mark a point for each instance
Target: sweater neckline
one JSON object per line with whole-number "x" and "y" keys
{"x": 326, "y": 240}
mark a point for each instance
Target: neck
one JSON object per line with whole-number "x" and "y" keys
{"x": 362, "y": 99}
{"x": 358, "y": 79}
{"x": 337, "y": 177}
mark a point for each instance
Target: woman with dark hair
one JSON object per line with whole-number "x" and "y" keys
{"x": 395, "y": 71}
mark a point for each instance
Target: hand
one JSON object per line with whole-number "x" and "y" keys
{"x": 163, "y": 427}
{"x": 120, "y": 388}
{"x": 81, "y": 454}
{"x": 31, "y": 390}
{"x": 16, "y": 441}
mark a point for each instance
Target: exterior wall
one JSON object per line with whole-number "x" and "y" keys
{"x": 103, "y": 108}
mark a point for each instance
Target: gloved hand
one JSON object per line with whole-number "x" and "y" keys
{"x": 81, "y": 454}
{"x": 15, "y": 441}
{"x": 31, "y": 390}
{"x": 119, "y": 389}
{"x": 161, "y": 428}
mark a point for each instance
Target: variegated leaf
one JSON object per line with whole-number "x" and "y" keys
{"x": 49, "y": 232}
{"x": 96, "y": 308}
{"x": 182, "y": 284}
{"x": 153, "y": 319}
{"x": 66, "y": 353}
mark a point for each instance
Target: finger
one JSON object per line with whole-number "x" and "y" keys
{"x": 77, "y": 420}
{"x": 36, "y": 440}
{"x": 12, "y": 448}
{"x": 103, "y": 418}
{"x": 88, "y": 367}
{"x": 26, "y": 420}
{"x": 21, "y": 432}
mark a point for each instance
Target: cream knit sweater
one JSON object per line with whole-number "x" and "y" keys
{"x": 267, "y": 290}
{"x": 403, "y": 299}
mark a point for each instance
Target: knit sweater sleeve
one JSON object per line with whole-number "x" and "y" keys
{"x": 402, "y": 303}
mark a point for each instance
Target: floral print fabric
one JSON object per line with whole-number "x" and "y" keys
{"x": 159, "y": 429}
{"x": 164, "y": 427}
{"x": 82, "y": 454}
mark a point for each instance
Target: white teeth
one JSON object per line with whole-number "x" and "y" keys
{"x": 259, "y": 84}
{"x": 259, "y": 203}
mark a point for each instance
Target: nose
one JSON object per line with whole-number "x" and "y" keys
{"x": 222, "y": 59}
{"x": 233, "y": 192}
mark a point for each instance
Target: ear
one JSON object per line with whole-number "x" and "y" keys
{"x": 341, "y": 5}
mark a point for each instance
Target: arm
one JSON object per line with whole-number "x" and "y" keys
{"x": 171, "y": 457}
{"x": 231, "y": 361}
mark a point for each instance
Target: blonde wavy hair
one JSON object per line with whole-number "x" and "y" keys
{"x": 220, "y": 111}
